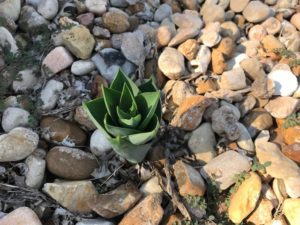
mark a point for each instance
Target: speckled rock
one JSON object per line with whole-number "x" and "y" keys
{"x": 116, "y": 21}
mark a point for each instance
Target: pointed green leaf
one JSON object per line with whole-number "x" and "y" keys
{"x": 121, "y": 114}
{"x": 96, "y": 111}
{"x": 132, "y": 123}
{"x": 127, "y": 101}
{"x": 115, "y": 130}
{"x": 142, "y": 138}
{"x": 111, "y": 99}
{"x": 148, "y": 86}
{"x": 132, "y": 153}
{"x": 147, "y": 104}
{"x": 120, "y": 79}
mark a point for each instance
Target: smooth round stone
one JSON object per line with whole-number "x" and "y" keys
{"x": 238, "y": 6}
{"x": 256, "y": 11}
{"x": 21, "y": 216}
{"x": 295, "y": 20}
{"x": 257, "y": 32}
{"x": 210, "y": 38}
{"x": 272, "y": 25}
{"x": 116, "y": 21}
{"x": 230, "y": 29}
{"x": 212, "y": 13}
{"x": 10, "y": 9}
{"x": 50, "y": 93}
{"x": 163, "y": 11}
{"x": 82, "y": 67}
{"x": 291, "y": 209}
{"x": 27, "y": 81}
{"x": 97, "y": 7}
{"x": 17, "y": 144}
{"x": 292, "y": 151}
{"x": 14, "y": 117}
{"x": 99, "y": 144}
{"x": 286, "y": 82}
{"x": 36, "y": 170}
{"x": 6, "y": 39}
{"x": 70, "y": 163}
{"x": 48, "y": 8}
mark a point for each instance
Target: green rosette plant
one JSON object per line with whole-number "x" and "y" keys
{"x": 129, "y": 116}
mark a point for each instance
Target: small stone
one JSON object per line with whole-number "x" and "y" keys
{"x": 57, "y": 60}
{"x": 256, "y": 12}
{"x": 272, "y": 25}
{"x": 291, "y": 209}
{"x": 163, "y": 11}
{"x": 126, "y": 196}
{"x": 212, "y": 13}
{"x": 180, "y": 91}
{"x": 235, "y": 61}
{"x": 83, "y": 119}
{"x": 86, "y": 19}
{"x": 224, "y": 123}
{"x": 292, "y": 152}
{"x": 165, "y": 33}
{"x": 7, "y": 40}
{"x": 79, "y": 41}
{"x": 253, "y": 68}
{"x": 206, "y": 85}
{"x": 50, "y": 93}
{"x": 82, "y": 67}
{"x": 247, "y": 105}
{"x": 70, "y": 163}
{"x": 291, "y": 134}
{"x": 210, "y": 38}
{"x": 190, "y": 4}
{"x": 151, "y": 186}
{"x": 203, "y": 143}
{"x": 99, "y": 144}
{"x": 189, "y": 18}
{"x": 94, "y": 222}
{"x": 231, "y": 30}
{"x": 10, "y": 9}
{"x": 292, "y": 186}
{"x": 96, "y": 6}
{"x": 245, "y": 142}
{"x": 218, "y": 62}
{"x": 238, "y": 6}
{"x": 133, "y": 48}
{"x": 189, "y": 49}
{"x": 282, "y": 107}
{"x": 171, "y": 63}
{"x": 21, "y": 216}
{"x": 188, "y": 179}
{"x": 257, "y": 32}
{"x": 226, "y": 46}
{"x": 101, "y": 32}
{"x": 17, "y": 144}
{"x": 233, "y": 80}
{"x": 189, "y": 113}
{"x": 202, "y": 60}
{"x": 263, "y": 213}
{"x": 147, "y": 212}
{"x": 234, "y": 109}
{"x": 116, "y": 21}
{"x": 36, "y": 171}
{"x": 243, "y": 201}
{"x": 295, "y": 20}
{"x": 48, "y": 8}
{"x": 224, "y": 168}
{"x": 271, "y": 43}
{"x": 73, "y": 195}
{"x": 183, "y": 34}
{"x": 62, "y": 132}
{"x": 27, "y": 81}
{"x": 286, "y": 82}
{"x": 14, "y": 117}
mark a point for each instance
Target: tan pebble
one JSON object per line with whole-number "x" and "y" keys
{"x": 218, "y": 62}
{"x": 189, "y": 49}
{"x": 257, "y": 32}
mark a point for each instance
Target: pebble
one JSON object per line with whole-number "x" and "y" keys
{"x": 17, "y": 144}
{"x": 235, "y": 61}
{"x": 226, "y": 46}
{"x": 27, "y": 81}
{"x": 257, "y": 32}
{"x": 183, "y": 34}
{"x": 48, "y": 8}
{"x": 79, "y": 41}
{"x": 238, "y": 6}
{"x": 21, "y": 216}
{"x": 99, "y": 144}
{"x": 245, "y": 141}
{"x": 73, "y": 195}
{"x": 70, "y": 163}
{"x": 7, "y": 40}
{"x": 36, "y": 171}
{"x": 272, "y": 25}
{"x": 243, "y": 201}
{"x": 256, "y": 12}
{"x": 116, "y": 21}
{"x": 57, "y": 60}
{"x": 94, "y": 222}
{"x": 163, "y": 11}
{"x": 171, "y": 63}
{"x": 180, "y": 91}
{"x": 188, "y": 179}
{"x": 253, "y": 68}
{"x": 224, "y": 167}
{"x": 165, "y": 33}
{"x": 189, "y": 49}
{"x": 234, "y": 109}
{"x": 204, "y": 86}
{"x": 97, "y": 7}
{"x": 292, "y": 151}
{"x": 117, "y": 201}
{"x": 233, "y": 80}
{"x": 291, "y": 209}
{"x": 270, "y": 43}
{"x": 290, "y": 135}
{"x": 101, "y": 32}
{"x": 247, "y": 105}
{"x": 211, "y": 38}
{"x": 203, "y": 143}
{"x": 83, "y": 119}
{"x": 86, "y": 19}
{"x": 218, "y": 62}
{"x": 292, "y": 186}
{"x": 151, "y": 186}
{"x": 14, "y": 117}
{"x": 149, "y": 209}
{"x": 82, "y": 67}
{"x": 212, "y": 13}
{"x": 286, "y": 82}
{"x": 50, "y": 93}
{"x": 282, "y": 107}
{"x": 231, "y": 30}
{"x": 202, "y": 60}
{"x": 295, "y": 20}
{"x": 10, "y": 9}
{"x": 263, "y": 213}
{"x": 63, "y": 132}
{"x": 188, "y": 18}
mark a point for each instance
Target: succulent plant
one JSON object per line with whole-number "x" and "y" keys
{"x": 129, "y": 116}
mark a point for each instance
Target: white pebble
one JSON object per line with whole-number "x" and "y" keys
{"x": 50, "y": 94}
{"x": 99, "y": 143}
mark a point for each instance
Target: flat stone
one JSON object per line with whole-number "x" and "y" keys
{"x": 270, "y": 43}
{"x": 162, "y": 12}
{"x": 282, "y": 107}
{"x": 256, "y": 11}
{"x": 188, "y": 18}
{"x": 272, "y": 25}
{"x": 204, "y": 86}
{"x": 17, "y": 144}
{"x": 79, "y": 41}
{"x": 224, "y": 167}
{"x": 188, "y": 179}
{"x": 14, "y": 117}
{"x": 82, "y": 67}
{"x": 233, "y": 80}
{"x": 243, "y": 201}
{"x": 86, "y": 19}
{"x": 257, "y": 32}
{"x": 226, "y": 46}
{"x": 291, "y": 209}
{"x": 151, "y": 186}
{"x": 263, "y": 213}
{"x": 286, "y": 82}
{"x": 165, "y": 33}
{"x": 10, "y": 9}
{"x": 292, "y": 186}
{"x": 292, "y": 152}
{"x": 183, "y": 34}
{"x": 211, "y": 38}
{"x": 253, "y": 68}
{"x": 116, "y": 22}
{"x": 180, "y": 91}
{"x": 218, "y": 62}
{"x": 57, "y": 60}
{"x": 50, "y": 93}
{"x": 212, "y": 13}
{"x": 238, "y": 6}
{"x": 290, "y": 135}
{"x": 117, "y": 201}
{"x": 230, "y": 29}
{"x": 245, "y": 141}
{"x": 189, "y": 49}
{"x": 36, "y": 171}
{"x": 21, "y": 216}
{"x": 70, "y": 163}
{"x": 147, "y": 212}
{"x": 61, "y": 131}
{"x": 96, "y": 6}
{"x": 73, "y": 195}
{"x": 48, "y": 8}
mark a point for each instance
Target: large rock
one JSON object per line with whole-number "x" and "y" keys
{"x": 282, "y": 107}
{"x": 70, "y": 163}
{"x": 17, "y": 144}
{"x": 79, "y": 41}
{"x": 10, "y": 9}
{"x": 117, "y": 201}
{"x": 73, "y": 195}
{"x": 21, "y": 216}
{"x": 243, "y": 201}
{"x": 291, "y": 209}
{"x": 256, "y": 11}
{"x": 224, "y": 168}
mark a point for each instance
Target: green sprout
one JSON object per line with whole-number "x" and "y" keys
{"x": 292, "y": 120}
{"x": 129, "y": 116}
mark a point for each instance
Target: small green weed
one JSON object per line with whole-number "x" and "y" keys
{"x": 292, "y": 120}
{"x": 283, "y": 52}
{"x": 186, "y": 222}
{"x": 294, "y": 63}
{"x": 196, "y": 201}
{"x": 256, "y": 166}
